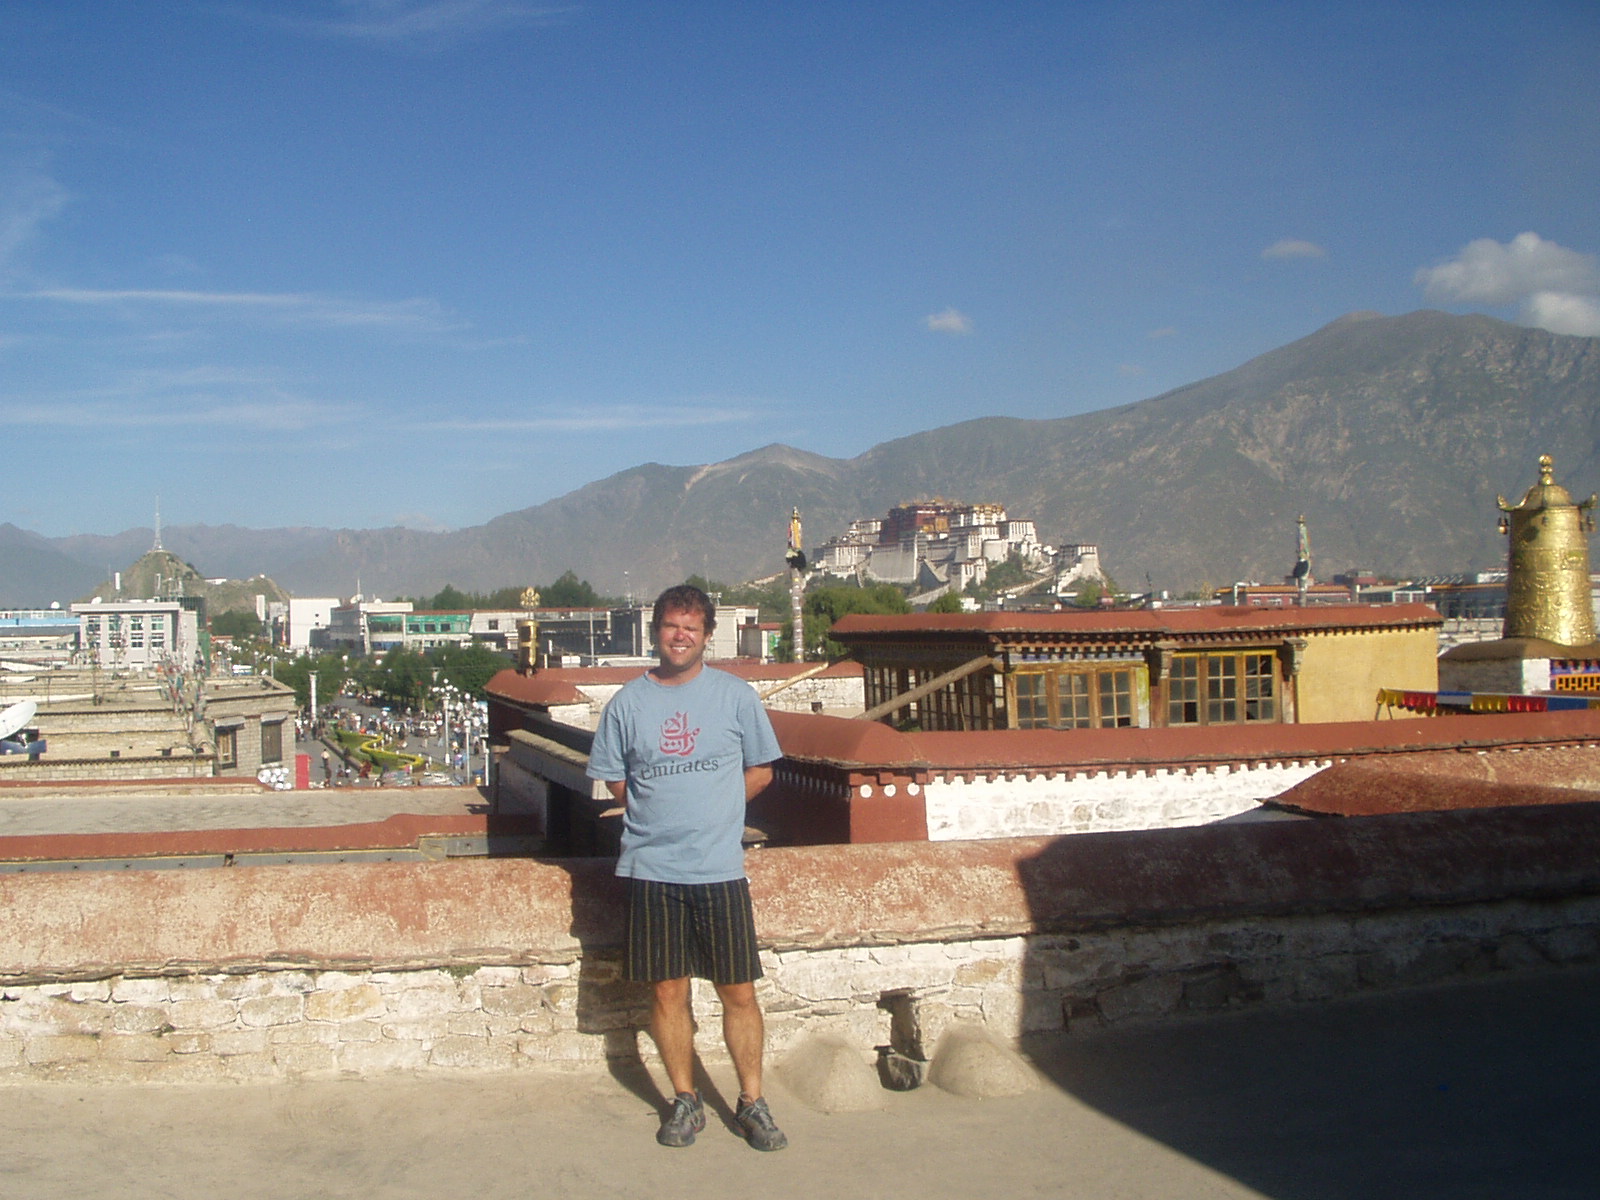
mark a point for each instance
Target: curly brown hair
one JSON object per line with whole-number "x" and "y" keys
{"x": 684, "y": 598}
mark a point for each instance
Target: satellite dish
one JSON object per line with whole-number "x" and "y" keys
{"x": 18, "y": 715}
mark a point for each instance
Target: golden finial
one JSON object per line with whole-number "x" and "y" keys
{"x": 1547, "y": 581}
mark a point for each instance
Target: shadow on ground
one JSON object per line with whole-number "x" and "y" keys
{"x": 1483, "y": 1089}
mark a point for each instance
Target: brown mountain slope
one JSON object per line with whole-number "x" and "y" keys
{"x": 1391, "y": 434}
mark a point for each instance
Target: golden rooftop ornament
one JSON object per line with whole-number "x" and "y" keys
{"x": 1547, "y": 585}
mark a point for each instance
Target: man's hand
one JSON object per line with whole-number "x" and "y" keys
{"x": 619, "y": 792}
{"x": 755, "y": 780}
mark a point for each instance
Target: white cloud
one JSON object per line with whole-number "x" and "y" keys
{"x": 266, "y": 414}
{"x": 411, "y": 316}
{"x": 194, "y": 397}
{"x": 1556, "y": 288}
{"x": 1486, "y": 272}
{"x": 399, "y": 21}
{"x": 1562, "y": 312}
{"x": 949, "y": 321}
{"x": 1294, "y": 248}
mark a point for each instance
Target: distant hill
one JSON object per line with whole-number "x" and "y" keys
{"x": 1391, "y": 434}
{"x": 154, "y": 574}
{"x": 34, "y": 571}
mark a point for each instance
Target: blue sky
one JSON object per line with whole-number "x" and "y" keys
{"x": 374, "y": 262}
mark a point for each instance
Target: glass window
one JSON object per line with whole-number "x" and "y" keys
{"x": 1072, "y": 701}
{"x": 227, "y": 747}
{"x": 1238, "y": 689}
{"x": 1074, "y": 698}
{"x": 1183, "y": 691}
{"x": 1033, "y": 705}
{"x": 1260, "y": 677}
{"x": 1222, "y": 691}
{"x": 1116, "y": 699}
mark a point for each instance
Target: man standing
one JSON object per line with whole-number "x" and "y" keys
{"x": 682, "y": 749}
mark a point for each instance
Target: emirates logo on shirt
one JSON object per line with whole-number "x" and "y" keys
{"x": 676, "y": 736}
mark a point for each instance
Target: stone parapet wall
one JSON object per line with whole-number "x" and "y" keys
{"x": 287, "y": 972}
{"x": 157, "y": 717}
{"x": 51, "y": 768}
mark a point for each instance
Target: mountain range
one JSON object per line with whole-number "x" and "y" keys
{"x": 1392, "y": 435}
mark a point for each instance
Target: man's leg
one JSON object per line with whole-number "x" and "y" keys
{"x": 744, "y": 1033}
{"x": 672, "y": 1027}
{"x": 742, "y": 1029}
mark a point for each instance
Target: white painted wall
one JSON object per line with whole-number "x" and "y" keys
{"x": 1100, "y": 802}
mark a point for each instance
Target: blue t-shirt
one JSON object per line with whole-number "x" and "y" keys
{"x": 683, "y": 750}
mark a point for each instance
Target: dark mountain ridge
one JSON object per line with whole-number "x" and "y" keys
{"x": 1391, "y": 434}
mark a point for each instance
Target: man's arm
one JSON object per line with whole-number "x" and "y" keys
{"x": 755, "y": 780}
{"x": 619, "y": 792}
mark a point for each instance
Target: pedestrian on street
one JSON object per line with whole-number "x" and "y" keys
{"x": 682, "y": 749}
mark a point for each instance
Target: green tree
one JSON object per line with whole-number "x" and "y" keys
{"x": 240, "y": 623}
{"x": 825, "y": 605}
{"x": 948, "y": 602}
{"x": 569, "y": 591}
{"x": 331, "y": 671}
{"x": 1089, "y": 594}
{"x": 468, "y": 667}
{"x": 403, "y": 678}
{"x": 448, "y": 599}
{"x": 1008, "y": 574}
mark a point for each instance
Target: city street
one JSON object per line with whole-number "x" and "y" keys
{"x": 427, "y": 739}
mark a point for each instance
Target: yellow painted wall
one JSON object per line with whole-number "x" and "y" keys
{"x": 1342, "y": 670}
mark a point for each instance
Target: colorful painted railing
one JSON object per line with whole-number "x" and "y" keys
{"x": 1433, "y": 702}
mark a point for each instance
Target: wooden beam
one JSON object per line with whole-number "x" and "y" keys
{"x": 926, "y": 689}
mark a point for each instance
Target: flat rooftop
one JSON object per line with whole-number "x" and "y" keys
{"x": 1483, "y": 1089}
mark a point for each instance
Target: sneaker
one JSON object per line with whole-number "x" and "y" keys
{"x": 687, "y": 1118}
{"x": 759, "y": 1129}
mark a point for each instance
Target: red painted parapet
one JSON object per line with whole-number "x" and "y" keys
{"x": 517, "y": 911}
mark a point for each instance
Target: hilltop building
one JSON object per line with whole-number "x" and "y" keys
{"x": 935, "y": 544}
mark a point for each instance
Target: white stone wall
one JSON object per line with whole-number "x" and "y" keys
{"x": 837, "y": 695}
{"x": 1101, "y": 802}
{"x": 293, "y": 1023}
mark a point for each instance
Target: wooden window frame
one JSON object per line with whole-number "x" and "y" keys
{"x": 271, "y": 731}
{"x": 1224, "y": 687}
{"x": 228, "y": 746}
{"x": 1083, "y": 687}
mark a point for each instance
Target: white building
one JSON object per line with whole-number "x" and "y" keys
{"x": 307, "y": 613}
{"x": 138, "y": 633}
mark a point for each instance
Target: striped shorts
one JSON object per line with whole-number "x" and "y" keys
{"x": 681, "y": 929}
